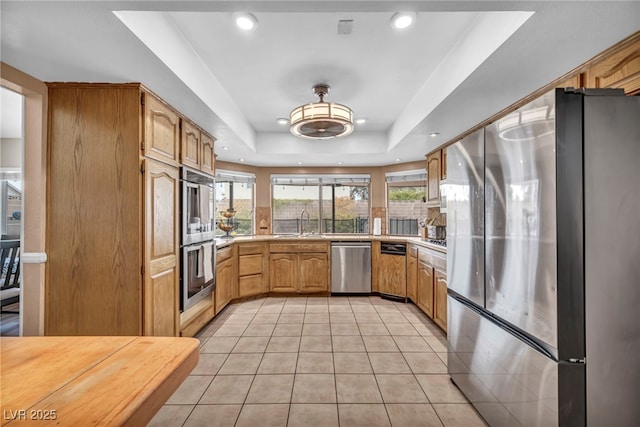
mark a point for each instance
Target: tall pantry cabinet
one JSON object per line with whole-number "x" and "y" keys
{"x": 113, "y": 212}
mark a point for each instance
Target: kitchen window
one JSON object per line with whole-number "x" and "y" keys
{"x": 235, "y": 190}
{"x": 336, "y": 204}
{"x": 406, "y": 201}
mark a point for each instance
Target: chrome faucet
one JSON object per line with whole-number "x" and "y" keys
{"x": 301, "y": 219}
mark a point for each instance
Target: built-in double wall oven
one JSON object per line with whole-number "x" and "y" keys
{"x": 198, "y": 258}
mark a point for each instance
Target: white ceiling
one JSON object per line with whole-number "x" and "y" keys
{"x": 461, "y": 63}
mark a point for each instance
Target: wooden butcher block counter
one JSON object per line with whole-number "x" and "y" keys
{"x": 90, "y": 381}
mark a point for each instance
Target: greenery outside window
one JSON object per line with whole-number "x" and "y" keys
{"x": 320, "y": 204}
{"x": 406, "y": 197}
{"x": 235, "y": 190}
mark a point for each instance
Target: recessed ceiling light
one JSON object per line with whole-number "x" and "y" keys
{"x": 402, "y": 20}
{"x": 245, "y": 21}
{"x": 241, "y": 159}
{"x": 361, "y": 120}
{"x": 225, "y": 148}
{"x": 299, "y": 163}
{"x": 432, "y": 134}
{"x": 340, "y": 163}
{"x": 398, "y": 159}
{"x": 282, "y": 121}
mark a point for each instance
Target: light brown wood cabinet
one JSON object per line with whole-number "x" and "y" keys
{"x": 425, "y": 288}
{"x": 112, "y": 229}
{"x": 392, "y": 275}
{"x": 433, "y": 178}
{"x": 161, "y": 260}
{"x": 440, "y": 299}
{"x": 253, "y": 265}
{"x": 412, "y": 273}
{"x": 196, "y": 148}
{"x": 619, "y": 70}
{"x": 225, "y": 278}
{"x": 443, "y": 163}
{"x": 432, "y": 286}
{"x": 207, "y": 165}
{"x": 283, "y": 270}
{"x": 299, "y": 267}
{"x": 161, "y": 130}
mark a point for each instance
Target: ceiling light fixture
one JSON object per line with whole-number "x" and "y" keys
{"x": 245, "y": 21}
{"x": 321, "y": 120}
{"x": 361, "y": 120}
{"x": 434, "y": 134}
{"x": 282, "y": 121}
{"x": 402, "y": 20}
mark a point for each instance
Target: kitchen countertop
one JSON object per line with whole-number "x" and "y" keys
{"x": 223, "y": 242}
{"x": 75, "y": 381}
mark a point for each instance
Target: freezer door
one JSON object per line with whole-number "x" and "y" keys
{"x": 520, "y": 220}
{"x": 612, "y": 252}
{"x": 465, "y": 217}
{"x": 509, "y": 382}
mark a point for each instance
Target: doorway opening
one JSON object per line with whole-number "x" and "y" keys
{"x": 11, "y": 209}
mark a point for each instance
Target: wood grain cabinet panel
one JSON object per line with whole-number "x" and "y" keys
{"x": 94, "y": 211}
{"x": 161, "y": 131}
{"x": 440, "y": 299}
{"x": 190, "y": 145}
{"x": 112, "y": 211}
{"x": 392, "y": 275}
{"x": 412, "y": 275}
{"x": 283, "y": 271}
{"x": 224, "y": 292}
{"x": 314, "y": 272}
{"x": 299, "y": 267}
{"x": 433, "y": 178}
{"x": 425, "y": 288}
{"x": 161, "y": 293}
{"x": 208, "y": 158}
{"x": 619, "y": 70}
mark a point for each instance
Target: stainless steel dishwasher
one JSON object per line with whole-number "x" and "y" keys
{"x": 350, "y": 267}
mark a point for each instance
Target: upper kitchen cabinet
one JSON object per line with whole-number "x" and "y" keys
{"x": 161, "y": 131}
{"x": 196, "y": 148}
{"x": 112, "y": 212}
{"x": 618, "y": 70}
{"x": 208, "y": 156}
{"x": 190, "y": 145}
{"x": 433, "y": 178}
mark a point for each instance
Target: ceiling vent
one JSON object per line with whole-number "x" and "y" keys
{"x": 345, "y": 26}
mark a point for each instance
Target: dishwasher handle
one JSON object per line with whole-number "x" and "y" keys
{"x": 399, "y": 249}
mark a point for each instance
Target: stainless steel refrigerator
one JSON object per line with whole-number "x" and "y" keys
{"x": 543, "y": 262}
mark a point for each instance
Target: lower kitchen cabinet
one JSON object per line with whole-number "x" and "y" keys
{"x": 412, "y": 273}
{"x": 225, "y": 279}
{"x": 392, "y": 275}
{"x": 425, "y": 288}
{"x": 302, "y": 268}
{"x": 252, "y": 269}
{"x": 440, "y": 299}
{"x": 283, "y": 270}
{"x": 432, "y": 286}
{"x": 313, "y": 272}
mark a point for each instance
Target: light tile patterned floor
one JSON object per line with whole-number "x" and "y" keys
{"x": 318, "y": 361}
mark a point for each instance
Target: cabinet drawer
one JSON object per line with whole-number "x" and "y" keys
{"x": 250, "y": 249}
{"x": 298, "y": 247}
{"x": 432, "y": 258}
{"x": 250, "y": 285}
{"x": 250, "y": 264}
{"x": 223, "y": 254}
